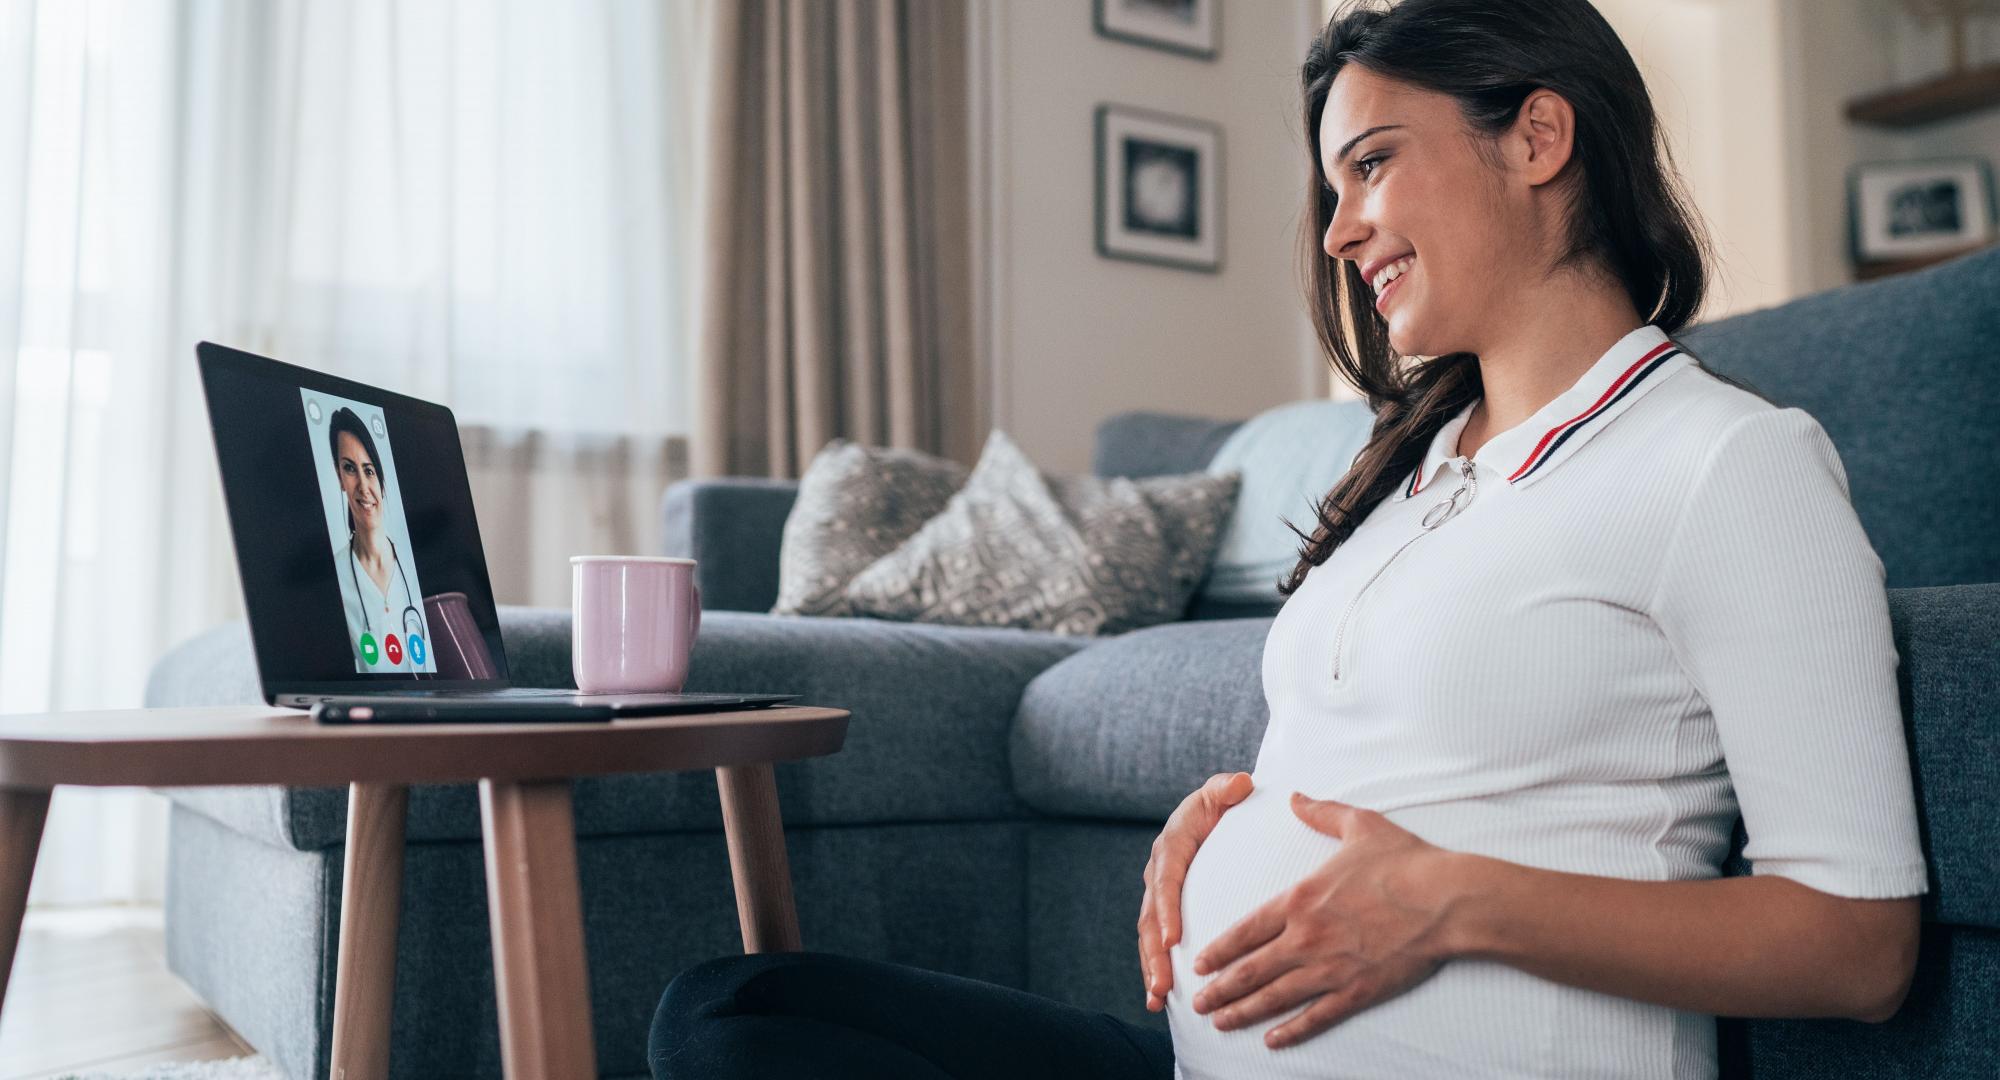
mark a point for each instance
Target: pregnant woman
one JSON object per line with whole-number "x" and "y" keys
{"x": 1577, "y": 605}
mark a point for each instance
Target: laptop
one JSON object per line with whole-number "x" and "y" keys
{"x": 364, "y": 579}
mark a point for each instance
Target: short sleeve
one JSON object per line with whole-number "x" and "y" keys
{"x": 1773, "y": 599}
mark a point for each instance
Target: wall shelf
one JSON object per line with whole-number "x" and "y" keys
{"x": 1939, "y": 99}
{"x": 1880, "y": 268}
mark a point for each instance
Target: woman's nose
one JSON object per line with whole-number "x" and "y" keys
{"x": 1344, "y": 234}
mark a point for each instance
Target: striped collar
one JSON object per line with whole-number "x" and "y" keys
{"x": 1533, "y": 448}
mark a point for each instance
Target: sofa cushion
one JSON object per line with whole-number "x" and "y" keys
{"x": 1944, "y": 1031}
{"x": 856, "y": 504}
{"x": 927, "y": 740}
{"x": 1129, "y": 726}
{"x": 1290, "y": 457}
{"x": 1948, "y": 640}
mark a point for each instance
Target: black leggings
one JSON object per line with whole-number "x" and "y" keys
{"x": 816, "y": 1015}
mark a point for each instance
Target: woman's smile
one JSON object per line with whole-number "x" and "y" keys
{"x": 1389, "y": 277}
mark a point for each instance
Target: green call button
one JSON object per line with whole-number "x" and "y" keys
{"x": 368, "y": 653}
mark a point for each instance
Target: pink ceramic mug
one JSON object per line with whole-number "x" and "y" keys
{"x": 634, "y": 621}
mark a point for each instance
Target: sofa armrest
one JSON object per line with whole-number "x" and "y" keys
{"x": 731, "y": 527}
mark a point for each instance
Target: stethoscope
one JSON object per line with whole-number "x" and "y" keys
{"x": 409, "y": 610}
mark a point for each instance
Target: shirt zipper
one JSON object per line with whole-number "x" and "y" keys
{"x": 1434, "y": 517}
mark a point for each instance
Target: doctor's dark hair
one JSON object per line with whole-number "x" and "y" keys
{"x": 344, "y": 419}
{"x": 1629, "y": 216}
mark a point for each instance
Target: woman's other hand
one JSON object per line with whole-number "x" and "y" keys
{"x": 1368, "y": 925}
{"x": 1173, "y": 850}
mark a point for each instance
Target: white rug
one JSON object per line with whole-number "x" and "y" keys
{"x": 244, "y": 1068}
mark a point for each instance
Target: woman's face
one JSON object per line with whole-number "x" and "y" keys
{"x": 1416, "y": 194}
{"x": 359, "y": 482}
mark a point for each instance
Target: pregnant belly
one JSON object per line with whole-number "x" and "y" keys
{"x": 1469, "y": 1018}
{"x": 1258, "y": 850}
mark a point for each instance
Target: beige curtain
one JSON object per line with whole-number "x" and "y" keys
{"x": 835, "y": 295}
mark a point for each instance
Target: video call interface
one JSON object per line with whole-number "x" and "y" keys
{"x": 380, "y": 588}
{"x": 354, "y": 531}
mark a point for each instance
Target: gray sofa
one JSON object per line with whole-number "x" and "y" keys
{"x": 998, "y": 790}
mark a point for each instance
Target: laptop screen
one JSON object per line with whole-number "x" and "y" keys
{"x": 354, "y": 529}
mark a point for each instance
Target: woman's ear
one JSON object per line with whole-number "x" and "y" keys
{"x": 1544, "y": 136}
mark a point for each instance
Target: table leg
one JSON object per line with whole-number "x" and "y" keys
{"x": 536, "y": 910}
{"x": 371, "y": 897}
{"x": 22, "y": 814}
{"x": 757, "y": 858}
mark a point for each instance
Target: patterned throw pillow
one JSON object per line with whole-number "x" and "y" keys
{"x": 1076, "y": 555}
{"x": 855, "y": 504}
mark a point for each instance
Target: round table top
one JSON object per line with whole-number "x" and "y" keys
{"x": 259, "y": 744}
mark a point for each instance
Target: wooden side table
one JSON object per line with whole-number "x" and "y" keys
{"x": 524, "y": 773}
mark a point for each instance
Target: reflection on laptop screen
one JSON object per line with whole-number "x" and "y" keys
{"x": 352, "y": 515}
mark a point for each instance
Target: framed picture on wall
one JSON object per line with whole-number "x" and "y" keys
{"x": 1188, "y": 27}
{"x": 1159, "y": 188}
{"x": 1909, "y": 209}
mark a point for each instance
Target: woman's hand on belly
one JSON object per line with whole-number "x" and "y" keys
{"x": 1173, "y": 850}
{"x": 1365, "y": 927}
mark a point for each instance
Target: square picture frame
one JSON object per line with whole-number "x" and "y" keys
{"x": 1188, "y": 27}
{"x": 1912, "y": 209}
{"x": 1159, "y": 188}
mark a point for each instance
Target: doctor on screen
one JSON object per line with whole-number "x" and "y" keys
{"x": 385, "y": 613}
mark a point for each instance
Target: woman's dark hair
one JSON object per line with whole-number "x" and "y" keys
{"x": 1629, "y": 217}
{"x": 344, "y": 420}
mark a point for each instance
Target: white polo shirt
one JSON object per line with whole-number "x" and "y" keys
{"x": 1653, "y": 607}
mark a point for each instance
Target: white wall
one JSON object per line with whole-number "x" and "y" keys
{"x": 1073, "y": 337}
{"x": 1836, "y": 50}
{"x": 1710, "y": 67}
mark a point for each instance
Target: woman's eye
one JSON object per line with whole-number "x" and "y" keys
{"x": 1365, "y": 167}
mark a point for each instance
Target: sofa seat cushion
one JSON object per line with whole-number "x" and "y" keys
{"x": 1129, "y": 726}
{"x": 927, "y": 740}
{"x": 1946, "y": 639}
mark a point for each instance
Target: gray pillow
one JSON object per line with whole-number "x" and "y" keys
{"x": 1077, "y": 555}
{"x": 855, "y": 504}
